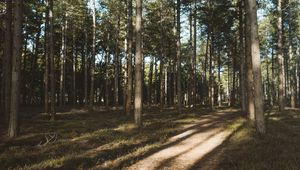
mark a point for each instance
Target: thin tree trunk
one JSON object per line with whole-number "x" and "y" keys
{"x": 138, "y": 101}
{"x": 46, "y": 76}
{"x": 178, "y": 57}
{"x": 74, "y": 100}
{"x": 52, "y": 67}
{"x": 211, "y": 74}
{"x": 62, "y": 64}
{"x": 161, "y": 70}
{"x": 129, "y": 59}
{"x": 219, "y": 81}
{"x": 85, "y": 68}
{"x": 255, "y": 52}
{"x": 93, "y": 56}
{"x": 107, "y": 78}
{"x": 194, "y": 39}
{"x": 242, "y": 58}
{"x": 116, "y": 83}
{"x": 13, "y": 129}
{"x": 150, "y": 99}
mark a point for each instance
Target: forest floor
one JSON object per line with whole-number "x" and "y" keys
{"x": 197, "y": 139}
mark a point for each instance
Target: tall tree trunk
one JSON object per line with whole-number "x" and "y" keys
{"x": 249, "y": 70}
{"x": 85, "y": 68}
{"x": 205, "y": 66}
{"x": 194, "y": 40}
{"x": 46, "y": 75}
{"x": 74, "y": 99}
{"x": 138, "y": 101}
{"x": 219, "y": 81}
{"x": 117, "y": 72}
{"x": 281, "y": 81}
{"x": 273, "y": 78}
{"x": 107, "y": 58}
{"x": 62, "y": 64}
{"x": 161, "y": 70}
{"x": 255, "y": 52}
{"x": 13, "y": 129}
{"x": 7, "y": 60}
{"x": 93, "y": 56}
{"x": 129, "y": 59}
{"x": 211, "y": 74}
{"x": 292, "y": 60}
{"x": 178, "y": 57}
{"x": 51, "y": 57}
{"x": 242, "y": 58}
{"x": 150, "y": 99}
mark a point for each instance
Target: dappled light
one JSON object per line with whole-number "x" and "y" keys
{"x": 149, "y": 84}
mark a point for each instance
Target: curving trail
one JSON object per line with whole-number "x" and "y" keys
{"x": 186, "y": 150}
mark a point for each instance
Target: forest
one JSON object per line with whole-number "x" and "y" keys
{"x": 150, "y": 84}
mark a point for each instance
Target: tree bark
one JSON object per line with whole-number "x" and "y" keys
{"x": 138, "y": 66}
{"x": 255, "y": 52}
{"x": 242, "y": 58}
{"x": 74, "y": 58}
{"x": 178, "y": 57}
{"x": 129, "y": 59}
{"x": 116, "y": 77}
{"x": 7, "y": 60}
{"x": 249, "y": 70}
{"x": 51, "y": 57}
{"x": 281, "y": 77}
{"x": 93, "y": 55}
{"x": 161, "y": 69}
{"x": 46, "y": 75}
{"x": 13, "y": 129}
{"x": 62, "y": 64}
{"x": 85, "y": 69}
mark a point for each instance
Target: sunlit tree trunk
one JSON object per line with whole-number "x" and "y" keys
{"x": 249, "y": 70}
{"x": 129, "y": 59}
{"x": 138, "y": 66}
{"x": 13, "y": 129}
{"x": 255, "y": 52}
{"x": 281, "y": 80}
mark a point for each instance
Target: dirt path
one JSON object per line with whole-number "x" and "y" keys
{"x": 186, "y": 150}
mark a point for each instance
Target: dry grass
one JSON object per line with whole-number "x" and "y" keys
{"x": 278, "y": 149}
{"x": 90, "y": 139}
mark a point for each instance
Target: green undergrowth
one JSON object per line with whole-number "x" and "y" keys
{"x": 277, "y": 149}
{"x": 87, "y": 140}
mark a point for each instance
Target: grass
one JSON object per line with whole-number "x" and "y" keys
{"x": 109, "y": 140}
{"x": 90, "y": 139}
{"x": 278, "y": 149}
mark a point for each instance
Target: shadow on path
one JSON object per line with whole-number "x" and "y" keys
{"x": 193, "y": 145}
